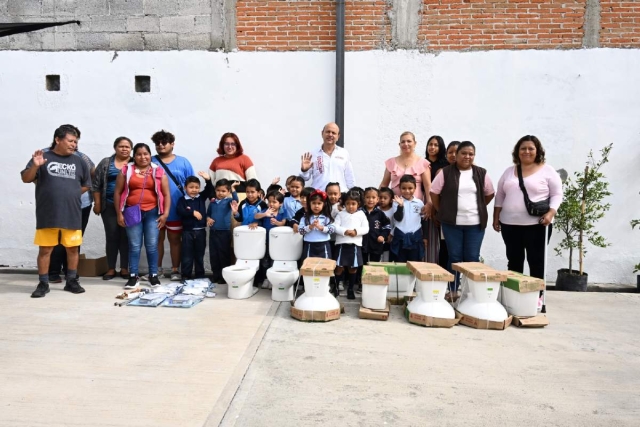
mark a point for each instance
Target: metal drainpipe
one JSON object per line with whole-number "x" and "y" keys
{"x": 340, "y": 22}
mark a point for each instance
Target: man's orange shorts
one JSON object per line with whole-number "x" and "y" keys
{"x": 53, "y": 236}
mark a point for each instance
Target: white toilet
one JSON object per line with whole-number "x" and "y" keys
{"x": 316, "y": 296}
{"x": 285, "y": 249}
{"x": 481, "y": 301}
{"x": 249, "y": 247}
{"x": 430, "y": 300}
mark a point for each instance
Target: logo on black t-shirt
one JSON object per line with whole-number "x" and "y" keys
{"x": 62, "y": 170}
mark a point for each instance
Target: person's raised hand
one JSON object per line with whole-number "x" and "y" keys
{"x": 234, "y": 207}
{"x": 204, "y": 175}
{"x": 275, "y": 180}
{"x": 399, "y": 200}
{"x": 306, "y": 162}
{"x": 38, "y": 158}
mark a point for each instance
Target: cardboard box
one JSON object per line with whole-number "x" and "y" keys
{"x": 315, "y": 316}
{"x": 374, "y": 276}
{"x": 318, "y": 267}
{"x": 520, "y": 283}
{"x": 367, "y": 313}
{"x": 429, "y": 272}
{"x": 539, "y": 321}
{"x": 392, "y": 267}
{"x": 92, "y": 267}
{"x": 479, "y": 272}
{"x": 476, "y": 323}
{"x": 431, "y": 322}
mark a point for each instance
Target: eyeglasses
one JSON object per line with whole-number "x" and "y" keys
{"x": 229, "y": 144}
{"x": 163, "y": 143}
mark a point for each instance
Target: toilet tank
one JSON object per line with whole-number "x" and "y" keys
{"x": 284, "y": 244}
{"x": 249, "y": 244}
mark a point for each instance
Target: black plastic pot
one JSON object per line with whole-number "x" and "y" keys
{"x": 573, "y": 281}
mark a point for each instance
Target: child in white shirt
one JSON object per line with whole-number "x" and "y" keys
{"x": 351, "y": 225}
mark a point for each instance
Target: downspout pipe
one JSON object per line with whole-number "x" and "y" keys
{"x": 340, "y": 24}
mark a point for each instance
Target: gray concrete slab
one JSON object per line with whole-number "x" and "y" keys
{"x": 76, "y": 360}
{"x": 582, "y": 370}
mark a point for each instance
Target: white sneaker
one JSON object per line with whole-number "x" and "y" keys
{"x": 266, "y": 284}
{"x": 340, "y": 287}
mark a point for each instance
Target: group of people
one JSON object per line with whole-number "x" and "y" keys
{"x": 432, "y": 208}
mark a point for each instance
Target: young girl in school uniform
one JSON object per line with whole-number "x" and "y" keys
{"x": 316, "y": 227}
{"x": 351, "y": 225}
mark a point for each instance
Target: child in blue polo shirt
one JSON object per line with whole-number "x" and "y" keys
{"x": 219, "y": 222}
{"x": 407, "y": 236}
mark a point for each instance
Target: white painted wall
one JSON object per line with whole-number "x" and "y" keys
{"x": 278, "y": 102}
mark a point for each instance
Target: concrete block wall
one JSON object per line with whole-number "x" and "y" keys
{"x": 120, "y": 24}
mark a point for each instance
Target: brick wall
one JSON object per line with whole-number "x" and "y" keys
{"x": 620, "y": 23}
{"x": 310, "y": 25}
{"x": 487, "y": 24}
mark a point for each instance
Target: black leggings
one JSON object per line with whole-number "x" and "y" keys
{"x": 519, "y": 239}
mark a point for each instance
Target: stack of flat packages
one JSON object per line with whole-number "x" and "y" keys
{"x": 316, "y": 304}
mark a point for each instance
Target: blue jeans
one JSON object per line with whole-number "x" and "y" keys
{"x": 463, "y": 244}
{"x": 147, "y": 229}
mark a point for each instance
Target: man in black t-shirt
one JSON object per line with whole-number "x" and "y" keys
{"x": 61, "y": 178}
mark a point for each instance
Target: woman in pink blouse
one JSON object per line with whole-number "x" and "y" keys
{"x": 408, "y": 163}
{"x": 521, "y": 231}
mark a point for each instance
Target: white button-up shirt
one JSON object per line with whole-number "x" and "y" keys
{"x": 330, "y": 168}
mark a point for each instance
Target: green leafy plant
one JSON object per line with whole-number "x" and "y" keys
{"x": 635, "y": 222}
{"x": 582, "y": 208}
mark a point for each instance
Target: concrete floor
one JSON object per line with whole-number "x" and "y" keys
{"x": 76, "y": 360}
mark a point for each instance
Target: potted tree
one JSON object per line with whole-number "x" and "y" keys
{"x": 636, "y": 268}
{"x": 582, "y": 208}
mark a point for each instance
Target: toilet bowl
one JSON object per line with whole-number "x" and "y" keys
{"x": 430, "y": 300}
{"x": 481, "y": 301}
{"x": 239, "y": 278}
{"x": 283, "y": 277}
{"x": 249, "y": 247}
{"x": 316, "y": 296}
{"x": 285, "y": 249}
